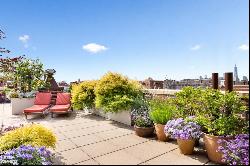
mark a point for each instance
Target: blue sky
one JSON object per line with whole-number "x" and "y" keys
{"x": 138, "y": 38}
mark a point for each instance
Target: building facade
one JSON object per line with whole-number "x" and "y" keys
{"x": 150, "y": 83}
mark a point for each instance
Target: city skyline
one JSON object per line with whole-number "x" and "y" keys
{"x": 139, "y": 39}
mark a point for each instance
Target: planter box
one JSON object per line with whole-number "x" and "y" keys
{"x": 122, "y": 117}
{"x": 19, "y": 104}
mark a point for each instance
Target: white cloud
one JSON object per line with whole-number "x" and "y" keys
{"x": 195, "y": 47}
{"x": 94, "y": 48}
{"x": 24, "y": 38}
{"x": 244, "y": 47}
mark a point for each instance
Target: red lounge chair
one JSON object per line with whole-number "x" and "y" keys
{"x": 41, "y": 104}
{"x": 63, "y": 104}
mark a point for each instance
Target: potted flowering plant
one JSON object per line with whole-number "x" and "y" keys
{"x": 186, "y": 132}
{"x": 140, "y": 117}
{"x": 235, "y": 151}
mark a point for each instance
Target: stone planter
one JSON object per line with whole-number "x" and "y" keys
{"x": 144, "y": 131}
{"x": 121, "y": 117}
{"x": 99, "y": 112}
{"x": 19, "y": 104}
{"x": 211, "y": 146}
{"x": 186, "y": 146}
{"x": 159, "y": 128}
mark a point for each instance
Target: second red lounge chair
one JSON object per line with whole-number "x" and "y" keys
{"x": 41, "y": 104}
{"x": 63, "y": 104}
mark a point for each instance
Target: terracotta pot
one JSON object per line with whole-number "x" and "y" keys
{"x": 168, "y": 136}
{"x": 159, "y": 129}
{"x": 211, "y": 146}
{"x": 144, "y": 131}
{"x": 186, "y": 146}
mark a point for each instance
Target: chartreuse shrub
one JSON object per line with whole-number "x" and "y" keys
{"x": 161, "y": 111}
{"x": 115, "y": 92}
{"x": 34, "y": 134}
{"x": 83, "y": 95}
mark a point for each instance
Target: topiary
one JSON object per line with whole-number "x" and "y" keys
{"x": 34, "y": 134}
{"x": 115, "y": 92}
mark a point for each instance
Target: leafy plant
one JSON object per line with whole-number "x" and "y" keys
{"x": 29, "y": 74}
{"x": 14, "y": 94}
{"x": 189, "y": 101}
{"x": 236, "y": 151}
{"x": 216, "y": 112}
{"x": 83, "y": 95}
{"x": 27, "y": 155}
{"x": 115, "y": 92}
{"x": 34, "y": 134}
{"x": 223, "y": 125}
{"x": 25, "y": 74}
{"x": 183, "y": 129}
{"x": 161, "y": 111}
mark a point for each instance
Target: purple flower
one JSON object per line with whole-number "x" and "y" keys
{"x": 27, "y": 155}
{"x": 235, "y": 151}
{"x": 182, "y": 129}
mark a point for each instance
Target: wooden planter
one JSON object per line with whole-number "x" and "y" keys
{"x": 144, "y": 131}
{"x": 19, "y": 104}
{"x": 211, "y": 146}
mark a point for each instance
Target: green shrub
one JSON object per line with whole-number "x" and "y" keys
{"x": 115, "y": 92}
{"x": 161, "y": 111}
{"x": 189, "y": 101}
{"x": 218, "y": 113}
{"x": 34, "y": 134}
{"x": 83, "y": 95}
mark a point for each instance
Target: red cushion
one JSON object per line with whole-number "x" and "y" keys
{"x": 63, "y": 98}
{"x": 60, "y": 108}
{"x": 36, "y": 108}
{"x": 43, "y": 98}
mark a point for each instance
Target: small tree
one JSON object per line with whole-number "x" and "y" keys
{"x": 29, "y": 75}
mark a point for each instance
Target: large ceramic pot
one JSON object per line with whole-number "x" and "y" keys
{"x": 211, "y": 146}
{"x": 159, "y": 129}
{"x": 144, "y": 131}
{"x": 186, "y": 146}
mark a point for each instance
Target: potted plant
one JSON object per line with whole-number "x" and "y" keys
{"x": 140, "y": 118}
{"x": 161, "y": 112}
{"x": 221, "y": 121}
{"x": 236, "y": 151}
{"x": 186, "y": 132}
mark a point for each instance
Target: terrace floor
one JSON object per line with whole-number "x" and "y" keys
{"x": 86, "y": 139}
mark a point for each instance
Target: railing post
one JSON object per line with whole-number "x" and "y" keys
{"x": 229, "y": 81}
{"x": 215, "y": 80}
